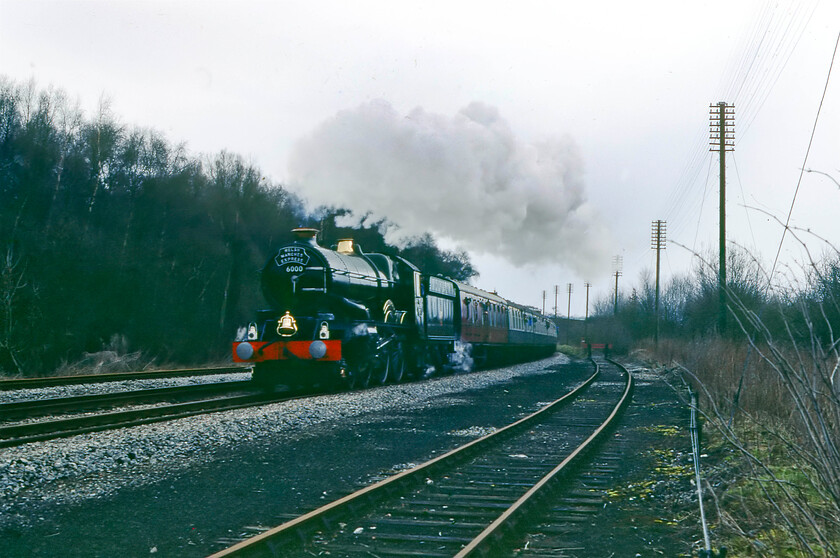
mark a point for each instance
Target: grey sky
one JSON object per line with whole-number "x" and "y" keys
{"x": 628, "y": 83}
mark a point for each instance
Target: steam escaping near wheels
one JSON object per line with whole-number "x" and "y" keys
{"x": 461, "y": 358}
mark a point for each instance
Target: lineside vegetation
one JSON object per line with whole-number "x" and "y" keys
{"x": 120, "y": 249}
{"x": 770, "y": 394}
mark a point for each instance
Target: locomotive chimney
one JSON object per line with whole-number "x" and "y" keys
{"x": 345, "y": 246}
{"x": 306, "y": 235}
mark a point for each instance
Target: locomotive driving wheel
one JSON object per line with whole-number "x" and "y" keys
{"x": 379, "y": 370}
{"x": 396, "y": 364}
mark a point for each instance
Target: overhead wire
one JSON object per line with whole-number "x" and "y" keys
{"x": 786, "y": 47}
{"x": 746, "y": 73}
{"x": 700, "y": 215}
{"x": 750, "y": 87}
{"x": 677, "y": 202}
{"x": 805, "y": 161}
{"x": 764, "y": 51}
{"x": 755, "y": 65}
{"x": 743, "y": 199}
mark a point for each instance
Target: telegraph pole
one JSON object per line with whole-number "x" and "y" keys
{"x": 543, "y": 308}
{"x": 569, "y": 289}
{"x": 657, "y": 242}
{"x": 722, "y": 139}
{"x": 586, "y": 319}
{"x": 617, "y": 264}
{"x": 556, "y": 290}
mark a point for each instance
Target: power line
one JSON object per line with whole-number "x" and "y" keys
{"x": 807, "y": 152}
{"x": 743, "y": 199}
{"x": 784, "y": 49}
{"x": 700, "y": 213}
{"x": 764, "y": 50}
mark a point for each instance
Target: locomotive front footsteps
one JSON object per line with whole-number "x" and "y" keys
{"x": 349, "y": 319}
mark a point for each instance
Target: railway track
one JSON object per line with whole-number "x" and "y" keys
{"x": 228, "y": 395}
{"x": 52, "y": 381}
{"x": 80, "y": 403}
{"x": 466, "y": 501}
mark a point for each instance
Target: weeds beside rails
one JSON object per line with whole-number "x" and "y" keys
{"x": 775, "y": 479}
{"x": 694, "y": 432}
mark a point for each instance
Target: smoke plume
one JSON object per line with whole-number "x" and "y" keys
{"x": 466, "y": 178}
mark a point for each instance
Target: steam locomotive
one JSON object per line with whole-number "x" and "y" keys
{"x": 341, "y": 317}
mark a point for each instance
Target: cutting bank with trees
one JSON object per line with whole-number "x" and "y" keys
{"x": 115, "y": 241}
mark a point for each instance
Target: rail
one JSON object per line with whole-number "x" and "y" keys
{"x": 15, "y": 435}
{"x": 31, "y": 408}
{"x": 275, "y": 541}
{"x": 51, "y": 381}
{"x": 481, "y": 544}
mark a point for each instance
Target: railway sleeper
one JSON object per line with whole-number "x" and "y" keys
{"x": 448, "y": 504}
{"x": 434, "y": 523}
{"x": 350, "y": 550}
{"x": 485, "y": 487}
{"x": 426, "y": 513}
{"x": 469, "y": 497}
{"x": 465, "y": 527}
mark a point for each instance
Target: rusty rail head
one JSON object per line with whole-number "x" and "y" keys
{"x": 482, "y": 544}
{"x": 269, "y": 540}
{"x": 26, "y": 383}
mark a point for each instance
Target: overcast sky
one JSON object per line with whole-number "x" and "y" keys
{"x": 548, "y": 132}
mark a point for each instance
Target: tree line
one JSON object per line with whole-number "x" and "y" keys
{"x": 111, "y": 236}
{"x": 799, "y": 306}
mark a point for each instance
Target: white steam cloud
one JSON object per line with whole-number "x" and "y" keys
{"x": 466, "y": 178}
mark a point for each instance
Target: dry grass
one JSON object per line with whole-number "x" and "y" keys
{"x": 771, "y": 416}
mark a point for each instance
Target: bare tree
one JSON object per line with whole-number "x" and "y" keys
{"x": 12, "y": 283}
{"x": 68, "y": 124}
